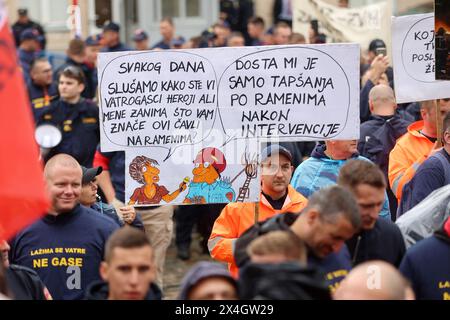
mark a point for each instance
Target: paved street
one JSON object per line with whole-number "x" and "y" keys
{"x": 175, "y": 268}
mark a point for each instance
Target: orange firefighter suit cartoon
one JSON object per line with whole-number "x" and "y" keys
{"x": 207, "y": 186}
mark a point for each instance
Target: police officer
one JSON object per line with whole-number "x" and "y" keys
{"x": 76, "y": 117}
{"x": 42, "y": 90}
{"x": 141, "y": 40}
{"x": 111, "y": 38}
{"x": 28, "y": 50}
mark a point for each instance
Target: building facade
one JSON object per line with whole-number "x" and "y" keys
{"x": 191, "y": 17}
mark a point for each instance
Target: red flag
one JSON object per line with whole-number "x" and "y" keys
{"x": 23, "y": 197}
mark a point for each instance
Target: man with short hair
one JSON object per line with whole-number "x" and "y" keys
{"x": 414, "y": 147}
{"x": 322, "y": 168}
{"x": 65, "y": 247}
{"x": 76, "y": 56}
{"x": 208, "y": 281}
{"x": 330, "y": 218}
{"x": 141, "y": 40}
{"x": 277, "y": 247}
{"x": 24, "y": 22}
{"x": 255, "y": 29}
{"x": 28, "y": 50}
{"x": 221, "y": 32}
{"x": 128, "y": 271}
{"x": 167, "y": 31}
{"x": 281, "y": 33}
{"x": 391, "y": 286}
{"x": 111, "y": 38}
{"x": 93, "y": 47}
{"x": 236, "y": 39}
{"x": 42, "y": 90}
{"x": 75, "y": 116}
{"x": 277, "y": 196}
{"x": 378, "y": 239}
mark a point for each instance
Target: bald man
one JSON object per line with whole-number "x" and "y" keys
{"x": 379, "y": 133}
{"x": 65, "y": 247}
{"x": 374, "y": 280}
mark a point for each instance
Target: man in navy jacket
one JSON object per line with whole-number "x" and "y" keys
{"x": 427, "y": 265}
{"x": 434, "y": 172}
{"x": 330, "y": 218}
{"x": 378, "y": 239}
{"x": 65, "y": 247}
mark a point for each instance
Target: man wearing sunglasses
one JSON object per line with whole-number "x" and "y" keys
{"x": 76, "y": 117}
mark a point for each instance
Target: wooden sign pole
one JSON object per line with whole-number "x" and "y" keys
{"x": 438, "y": 123}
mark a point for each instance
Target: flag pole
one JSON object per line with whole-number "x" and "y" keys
{"x": 438, "y": 123}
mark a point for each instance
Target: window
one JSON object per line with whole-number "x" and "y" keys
{"x": 103, "y": 12}
{"x": 193, "y": 8}
{"x": 179, "y": 8}
{"x": 171, "y": 8}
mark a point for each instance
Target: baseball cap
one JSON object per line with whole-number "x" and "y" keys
{"x": 275, "y": 149}
{"x": 111, "y": 26}
{"x": 90, "y": 173}
{"x": 178, "y": 41}
{"x": 30, "y": 34}
{"x": 375, "y": 44}
{"x": 93, "y": 40}
{"x": 22, "y": 12}
{"x": 140, "y": 35}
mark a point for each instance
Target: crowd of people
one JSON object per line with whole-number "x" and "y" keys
{"x": 323, "y": 228}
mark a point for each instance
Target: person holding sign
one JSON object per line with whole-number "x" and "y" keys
{"x": 144, "y": 170}
{"x": 414, "y": 147}
{"x": 277, "y": 196}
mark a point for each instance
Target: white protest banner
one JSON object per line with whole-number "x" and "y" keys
{"x": 169, "y": 106}
{"x": 174, "y": 98}
{"x": 413, "y": 59}
{"x": 360, "y": 25}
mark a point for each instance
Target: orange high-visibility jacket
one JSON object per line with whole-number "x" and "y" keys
{"x": 408, "y": 154}
{"x": 236, "y": 218}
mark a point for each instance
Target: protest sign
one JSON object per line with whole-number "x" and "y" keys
{"x": 168, "y": 106}
{"x": 173, "y": 98}
{"x": 360, "y": 25}
{"x": 413, "y": 59}
{"x": 193, "y": 175}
